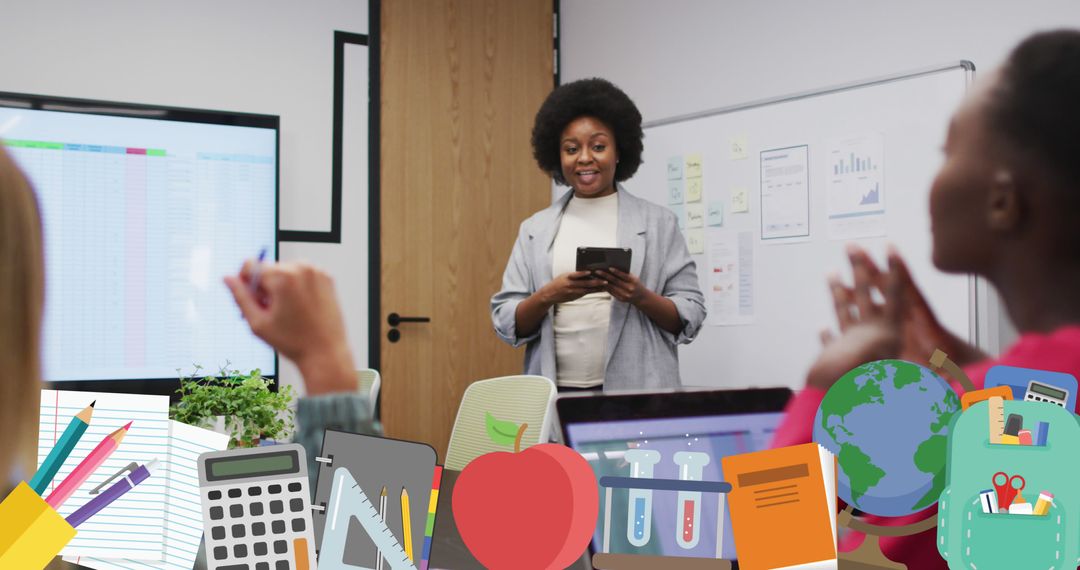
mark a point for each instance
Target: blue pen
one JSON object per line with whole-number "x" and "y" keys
{"x": 257, "y": 270}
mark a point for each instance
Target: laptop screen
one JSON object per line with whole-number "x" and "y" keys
{"x": 663, "y": 522}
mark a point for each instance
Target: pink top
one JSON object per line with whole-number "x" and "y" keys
{"x": 1058, "y": 351}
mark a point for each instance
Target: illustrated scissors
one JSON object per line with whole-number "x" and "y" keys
{"x": 1007, "y": 489}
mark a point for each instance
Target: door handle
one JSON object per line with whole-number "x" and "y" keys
{"x": 394, "y": 319}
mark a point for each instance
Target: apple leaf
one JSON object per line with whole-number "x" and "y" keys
{"x": 500, "y": 431}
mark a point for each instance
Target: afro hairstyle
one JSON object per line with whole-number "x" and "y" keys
{"x": 595, "y": 97}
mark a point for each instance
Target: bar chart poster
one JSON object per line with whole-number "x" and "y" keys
{"x": 856, "y": 186}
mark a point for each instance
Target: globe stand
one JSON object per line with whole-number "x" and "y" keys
{"x": 868, "y": 555}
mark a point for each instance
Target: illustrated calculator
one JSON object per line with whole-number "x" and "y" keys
{"x": 256, "y": 509}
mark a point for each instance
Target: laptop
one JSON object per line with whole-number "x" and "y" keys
{"x": 657, "y": 461}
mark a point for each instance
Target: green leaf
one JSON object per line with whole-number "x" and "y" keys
{"x": 501, "y": 432}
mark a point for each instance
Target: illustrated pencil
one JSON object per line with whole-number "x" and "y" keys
{"x": 406, "y": 523}
{"x": 60, "y": 452}
{"x": 83, "y": 470}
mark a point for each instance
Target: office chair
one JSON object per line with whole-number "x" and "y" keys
{"x": 517, "y": 399}
{"x": 370, "y": 382}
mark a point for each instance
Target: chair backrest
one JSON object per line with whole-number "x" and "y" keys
{"x": 370, "y": 382}
{"x": 517, "y": 399}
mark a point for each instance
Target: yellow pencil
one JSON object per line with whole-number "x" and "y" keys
{"x": 406, "y": 523}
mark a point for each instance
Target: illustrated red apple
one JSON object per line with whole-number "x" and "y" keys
{"x": 529, "y": 510}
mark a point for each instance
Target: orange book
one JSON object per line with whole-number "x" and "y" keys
{"x": 783, "y": 507}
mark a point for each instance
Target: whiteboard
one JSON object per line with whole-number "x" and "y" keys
{"x": 774, "y": 345}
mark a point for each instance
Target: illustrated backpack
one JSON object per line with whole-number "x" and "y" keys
{"x": 970, "y": 537}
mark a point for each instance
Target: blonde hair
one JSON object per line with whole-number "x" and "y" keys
{"x": 22, "y": 296}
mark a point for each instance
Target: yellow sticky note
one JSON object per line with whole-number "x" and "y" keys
{"x": 740, "y": 200}
{"x": 1010, "y": 440}
{"x": 738, "y": 148}
{"x": 695, "y": 215}
{"x": 31, "y": 532}
{"x": 695, "y": 241}
{"x": 693, "y": 166}
{"x": 693, "y": 189}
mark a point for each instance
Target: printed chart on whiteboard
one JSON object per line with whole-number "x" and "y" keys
{"x": 785, "y": 194}
{"x": 856, "y": 187}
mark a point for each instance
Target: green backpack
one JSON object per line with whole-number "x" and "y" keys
{"x": 970, "y": 538}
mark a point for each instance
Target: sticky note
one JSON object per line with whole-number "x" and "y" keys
{"x": 693, "y": 189}
{"x": 714, "y": 216}
{"x": 675, "y": 191}
{"x": 1010, "y": 440}
{"x": 680, "y": 214}
{"x": 695, "y": 241}
{"x": 740, "y": 200}
{"x": 738, "y": 148}
{"x": 693, "y": 166}
{"x": 695, "y": 215}
{"x": 674, "y": 168}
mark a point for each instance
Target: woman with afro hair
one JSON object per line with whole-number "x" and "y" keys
{"x": 604, "y": 329}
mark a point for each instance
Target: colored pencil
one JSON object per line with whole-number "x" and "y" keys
{"x": 429, "y": 528}
{"x": 112, "y": 493}
{"x": 406, "y": 523}
{"x": 83, "y": 470}
{"x": 60, "y": 452}
{"x": 382, "y": 517}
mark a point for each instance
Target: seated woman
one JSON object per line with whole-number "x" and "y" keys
{"x": 1003, "y": 206}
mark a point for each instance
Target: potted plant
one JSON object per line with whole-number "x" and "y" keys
{"x": 251, "y": 411}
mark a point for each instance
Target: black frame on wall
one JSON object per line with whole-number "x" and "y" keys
{"x": 333, "y": 236}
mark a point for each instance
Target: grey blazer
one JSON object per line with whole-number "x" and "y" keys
{"x": 640, "y": 355}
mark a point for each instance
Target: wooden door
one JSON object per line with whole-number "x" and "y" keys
{"x": 461, "y": 83}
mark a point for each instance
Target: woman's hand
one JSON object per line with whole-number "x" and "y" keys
{"x": 903, "y": 326}
{"x": 569, "y": 287}
{"x": 625, "y": 287}
{"x": 294, "y": 309}
{"x": 868, "y": 330}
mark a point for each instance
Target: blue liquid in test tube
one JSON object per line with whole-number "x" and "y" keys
{"x": 639, "y": 518}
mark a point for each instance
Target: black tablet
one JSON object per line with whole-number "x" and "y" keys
{"x": 599, "y": 258}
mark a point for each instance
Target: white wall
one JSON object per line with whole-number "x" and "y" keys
{"x": 682, "y": 56}
{"x": 258, "y": 56}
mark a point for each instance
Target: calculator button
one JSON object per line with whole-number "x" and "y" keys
{"x": 214, "y": 495}
{"x": 236, "y": 511}
{"x": 262, "y": 566}
{"x": 259, "y": 549}
{"x": 217, "y": 513}
{"x": 234, "y": 493}
{"x": 277, "y": 507}
{"x": 238, "y": 531}
{"x": 294, "y": 487}
{"x": 280, "y": 547}
{"x": 298, "y": 525}
{"x": 278, "y": 527}
{"x": 254, "y": 491}
{"x": 281, "y": 565}
{"x": 258, "y": 529}
{"x": 218, "y": 532}
{"x": 274, "y": 489}
{"x": 221, "y": 553}
{"x": 234, "y": 567}
{"x": 256, "y": 509}
{"x": 240, "y": 550}
{"x": 296, "y": 505}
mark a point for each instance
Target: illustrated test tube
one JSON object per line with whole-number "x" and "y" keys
{"x": 639, "y": 516}
{"x": 691, "y": 464}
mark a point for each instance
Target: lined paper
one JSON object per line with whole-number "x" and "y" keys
{"x": 133, "y": 525}
{"x": 183, "y": 511}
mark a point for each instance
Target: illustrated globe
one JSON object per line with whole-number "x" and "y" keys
{"x": 887, "y": 422}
